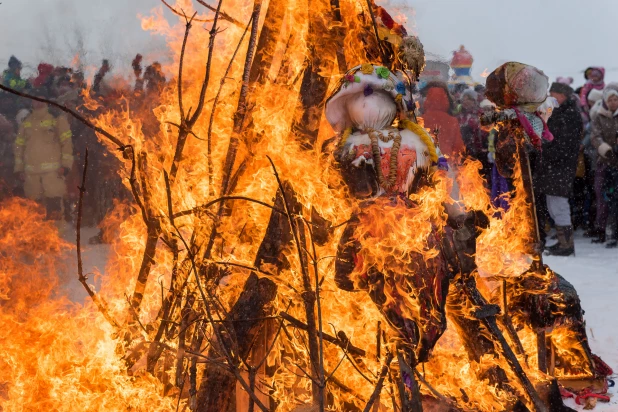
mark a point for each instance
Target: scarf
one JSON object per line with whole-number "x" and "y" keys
{"x": 534, "y": 137}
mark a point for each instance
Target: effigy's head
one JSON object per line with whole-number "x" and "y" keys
{"x": 517, "y": 84}
{"x": 368, "y": 97}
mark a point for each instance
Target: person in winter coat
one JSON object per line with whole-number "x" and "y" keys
{"x": 474, "y": 137}
{"x": 559, "y": 164}
{"x": 595, "y": 79}
{"x": 437, "y": 116}
{"x": 11, "y": 77}
{"x": 603, "y": 139}
{"x": 43, "y": 157}
{"x": 11, "y": 105}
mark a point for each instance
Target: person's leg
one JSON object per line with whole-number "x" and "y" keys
{"x": 33, "y": 189}
{"x": 601, "y": 219}
{"x": 54, "y": 189}
{"x": 560, "y": 211}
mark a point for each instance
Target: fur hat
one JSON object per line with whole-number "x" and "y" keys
{"x": 595, "y": 95}
{"x": 561, "y": 88}
{"x": 364, "y": 79}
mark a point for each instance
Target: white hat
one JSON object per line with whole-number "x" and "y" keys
{"x": 364, "y": 79}
{"x": 595, "y": 95}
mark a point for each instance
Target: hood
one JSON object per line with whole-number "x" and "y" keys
{"x": 14, "y": 63}
{"x": 44, "y": 71}
{"x": 610, "y": 89}
{"x": 596, "y": 110}
{"x": 591, "y": 68}
{"x": 437, "y": 101}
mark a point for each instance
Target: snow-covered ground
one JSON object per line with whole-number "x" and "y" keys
{"x": 593, "y": 272}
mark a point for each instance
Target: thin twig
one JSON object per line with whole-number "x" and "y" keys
{"x": 308, "y": 293}
{"x": 328, "y": 338}
{"x": 214, "y": 107}
{"x": 180, "y": 65}
{"x": 375, "y": 31}
{"x": 314, "y": 258}
{"x": 223, "y": 199}
{"x": 99, "y": 301}
{"x": 176, "y": 12}
{"x": 224, "y": 15}
{"x": 232, "y": 356}
{"x": 376, "y": 392}
{"x": 186, "y": 124}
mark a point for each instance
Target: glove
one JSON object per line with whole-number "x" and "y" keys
{"x": 605, "y": 150}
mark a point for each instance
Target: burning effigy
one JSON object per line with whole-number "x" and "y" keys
{"x": 296, "y": 240}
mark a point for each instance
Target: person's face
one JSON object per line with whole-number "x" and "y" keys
{"x": 612, "y": 103}
{"x": 468, "y": 104}
{"x": 561, "y": 98}
{"x": 595, "y": 76}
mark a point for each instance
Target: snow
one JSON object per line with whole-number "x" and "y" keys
{"x": 593, "y": 272}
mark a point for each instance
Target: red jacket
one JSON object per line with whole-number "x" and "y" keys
{"x": 436, "y": 116}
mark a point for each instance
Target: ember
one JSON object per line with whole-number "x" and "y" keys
{"x": 264, "y": 264}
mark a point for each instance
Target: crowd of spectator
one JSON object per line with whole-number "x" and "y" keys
{"x": 42, "y": 149}
{"x": 576, "y": 182}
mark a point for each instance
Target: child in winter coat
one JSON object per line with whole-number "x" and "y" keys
{"x": 594, "y": 80}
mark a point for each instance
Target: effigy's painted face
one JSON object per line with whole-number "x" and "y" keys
{"x": 374, "y": 111}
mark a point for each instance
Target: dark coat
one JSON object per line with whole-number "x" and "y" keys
{"x": 559, "y": 157}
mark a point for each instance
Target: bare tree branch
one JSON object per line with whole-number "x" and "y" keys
{"x": 101, "y": 304}
{"x": 65, "y": 109}
{"x": 224, "y": 15}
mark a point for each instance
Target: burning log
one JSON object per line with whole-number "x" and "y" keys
{"x": 243, "y": 322}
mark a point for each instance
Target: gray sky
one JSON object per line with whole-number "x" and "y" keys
{"x": 562, "y": 37}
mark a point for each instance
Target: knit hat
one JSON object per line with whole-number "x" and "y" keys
{"x": 14, "y": 63}
{"x": 517, "y": 84}
{"x": 561, "y": 88}
{"x": 595, "y": 95}
{"x": 610, "y": 90}
{"x": 565, "y": 80}
{"x": 364, "y": 80}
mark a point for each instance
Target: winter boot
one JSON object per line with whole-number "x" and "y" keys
{"x": 600, "y": 238}
{"x": 560, "y": 236}
{"x": 565, "y": 245}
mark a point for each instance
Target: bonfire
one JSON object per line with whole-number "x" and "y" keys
{"x": 222, "y": 291}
